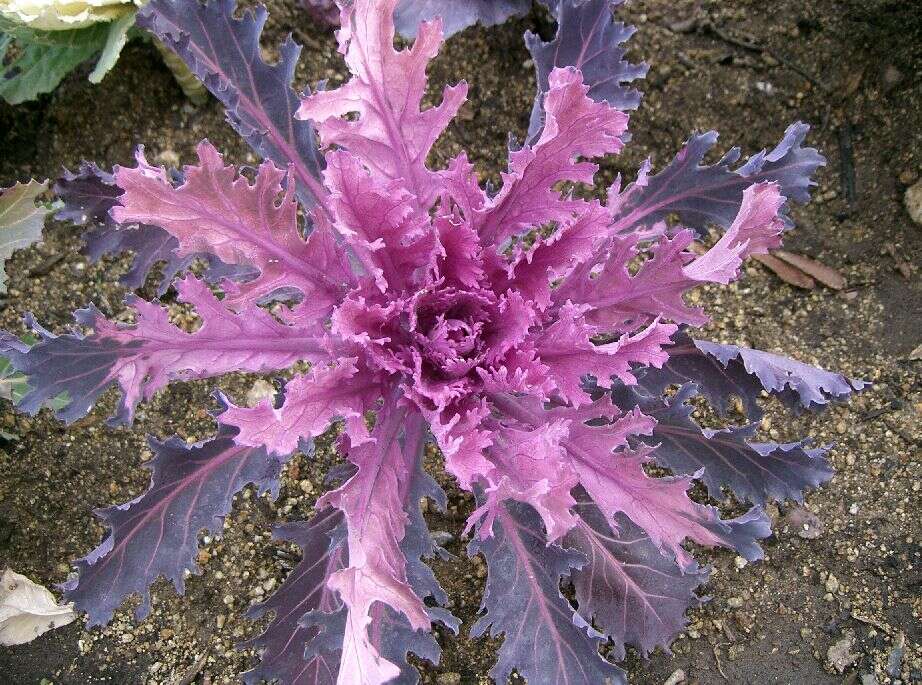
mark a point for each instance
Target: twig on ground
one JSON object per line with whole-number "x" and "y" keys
{"x": 46, "y": 266}
{"x": 847, "y": 162}
{"x": 719, "y": 667}
{"x": 195, "y": 670}
{"x": 761, "y": 49}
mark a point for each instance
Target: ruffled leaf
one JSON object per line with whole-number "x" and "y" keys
{"x": 156, "y": 534}
{"x": 575, "y": 127}
{"x": 224, "y": 53}
{"x": 90, "y": 193}
{"x": 455, "y": 14}
{"x": 620, "y": 301}
{"x": 702, "y": 195}
{"x": 378, "y": 220}
{"x": 311, "y": 403}
{"x": 566, "y": 348}
{"x": 589, "y": 39}
{"x": 283, "y": 644}
{"x": 217, "y": 211}
{"x": 143, "y": 358}
{"x": 617, "y": 482}
{"x": 793, "y": 380}
{"x": 546, "y": 641}
{"x": 391, "y": 135}
{"x": 727, "y": 458}
{"x": 372, "y": 502}
{"x": 627, "y": 588}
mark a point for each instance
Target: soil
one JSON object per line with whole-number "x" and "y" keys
{"x": 852, "y": 68}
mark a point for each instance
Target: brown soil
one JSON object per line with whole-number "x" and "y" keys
{"x": 770, "y": 622}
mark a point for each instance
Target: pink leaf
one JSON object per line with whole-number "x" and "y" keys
{"x": 755, "y": 230}
{"x": 391, "y": 136}
{"x": 312, "y": 402}
{"x": 145, "y": 357}
{"x": 372, "y": 503}
{"x": 575, "y": 126}
{"x": 218, "y": 211}
{"x": 565, "y": 347}
{"x": 379, "y": 220}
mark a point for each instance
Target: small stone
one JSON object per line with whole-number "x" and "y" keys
{"x": 853, "y": 509}
{"x": 220, "y": 621}
{"x": 913, "y": 201}
{"x": 261, "y": 389}
{"x": 127, "y": 637}
{"x": 166, "y": 633}
{"x": 228, "y": 600}
{"x": 168, "y": 157}
{"x": 892, "y": 76}
{"x": 840, "y": 656}
{"x": 869, "y": 679}
{"x": 740, "y": 563}
{"x": 895, "y": 662}
{"x": 806, "y": 523}
{"x": 734, "y": 602}
{"x": 203, "y": 556}
{"x": 441, "y": 537}
{"x": 832, "y": 584}
{"x": 448, "y": 679}
{"x": 678, "y": 676}
{"x": 908, "y": 177}
{"x": 306, "y": 486}
{"x": 841, "y": 428}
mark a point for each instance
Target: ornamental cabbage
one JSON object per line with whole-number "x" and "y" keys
{"x": 528, "y": 332}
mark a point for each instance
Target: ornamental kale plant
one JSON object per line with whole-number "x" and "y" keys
{"x": 530, "y": 333}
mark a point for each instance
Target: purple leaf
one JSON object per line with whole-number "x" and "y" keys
{"x": 627, "y": 588}
{"x": 589, "y": 39}
{"x": 704, "y": 195}
{"x": 717, "y": 382}
{"x": 726, "y": 458}
{"x": 455, "y": 14}
{"x": 156, "y": 534}
{"x": 224, "y": 53}
{"x": 88, "y": 195}
{"x": 813, "y": 386}
{"x": 546, "y": 641}
{"x": 282, "y": 646}
{"x": 143, "y": 358}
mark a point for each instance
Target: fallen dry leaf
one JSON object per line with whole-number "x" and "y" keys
{"x": 916, "y": 354}
{"x": 27, "y": 610}
{"x": 824, "y": 274}
{"x": 785, "y": 271}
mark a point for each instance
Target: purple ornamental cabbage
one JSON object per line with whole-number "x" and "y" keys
{"x": 510, "y": 328}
